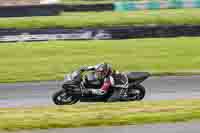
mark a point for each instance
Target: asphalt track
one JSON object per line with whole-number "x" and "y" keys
{"x": 39, "y": 93}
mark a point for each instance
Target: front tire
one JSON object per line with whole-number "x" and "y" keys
{"x": 137, "y": 92}
{"x": 62, "y": 98}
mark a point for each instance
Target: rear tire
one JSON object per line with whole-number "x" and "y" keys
{"x": 62, "y": 98}
{"x": 139, "y": 92}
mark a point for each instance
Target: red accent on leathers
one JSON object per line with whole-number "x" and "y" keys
{"x": 106, "y": 86}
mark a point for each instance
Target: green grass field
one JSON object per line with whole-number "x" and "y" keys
{"x": 51, "y": 60}
{"x": 101, "y": 114}
{"x": 106, "y": 19}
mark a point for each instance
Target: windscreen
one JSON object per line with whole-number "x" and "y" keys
{"x": 72, "y": 76}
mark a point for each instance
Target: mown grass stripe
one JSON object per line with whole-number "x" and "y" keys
{"x": 101, "y": 114}
{"x": 33, "y": 61}
{"x": 106, "y": 19}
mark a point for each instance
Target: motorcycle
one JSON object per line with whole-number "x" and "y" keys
{"x": 127, "y": 88}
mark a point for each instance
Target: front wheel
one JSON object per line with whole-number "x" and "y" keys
{"x": 136, "y": 92}
{"x": 62, "y": 98}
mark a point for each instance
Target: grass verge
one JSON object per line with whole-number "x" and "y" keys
{"x": 106, "y": 19}
{"x": 32, "y": 61}
{"x": 100, "y": 114}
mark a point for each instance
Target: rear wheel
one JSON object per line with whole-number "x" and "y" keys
{"x": 62, "y": 98}
{"x": 136, "y": 92}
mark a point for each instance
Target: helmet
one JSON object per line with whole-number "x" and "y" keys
{"x": 103, "y": 70}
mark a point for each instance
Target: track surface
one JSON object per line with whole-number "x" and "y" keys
{"x": 158, "y": 88}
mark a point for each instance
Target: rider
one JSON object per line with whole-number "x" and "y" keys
{"x": 103, "y": 73}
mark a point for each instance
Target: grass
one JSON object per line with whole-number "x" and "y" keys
{"x": 101, "y": 114}
{"x": 106, "y": 19}
{"x": 32, "y": 61}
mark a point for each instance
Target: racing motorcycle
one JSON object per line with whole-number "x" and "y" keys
{"x": 127, "y": 88}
